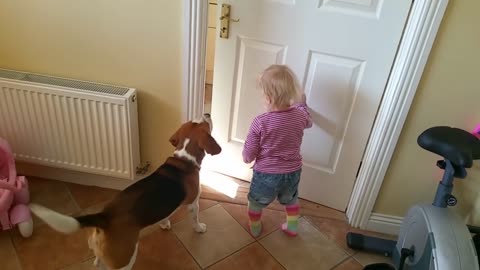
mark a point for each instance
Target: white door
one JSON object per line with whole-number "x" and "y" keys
{"x": 341, "y": 50}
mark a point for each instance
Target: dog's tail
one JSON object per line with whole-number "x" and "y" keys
{"x": 67, "y": 224}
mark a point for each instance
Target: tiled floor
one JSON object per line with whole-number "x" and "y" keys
{"x": 226, "y": 244}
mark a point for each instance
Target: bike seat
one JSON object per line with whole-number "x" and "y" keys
{"x": 456, "y": 145}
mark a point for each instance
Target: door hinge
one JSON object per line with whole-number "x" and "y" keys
{"x": 359, "y": 167}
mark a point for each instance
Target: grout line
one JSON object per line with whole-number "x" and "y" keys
{"x": 77, "y": 263}
{"x": 238, "y": 223}
{"x": 236, "y": 250}
{"x": 256, "y": 240}
{"x": 217, "y": 202}
{"x": 73, "y": 199}
{"x": 17, "y": 257}
{"x": 199, "y": 211}
{"x": 332, "y": 241}
{"x": 278, "y": 210}
{"x": 231, "y": 254}
{"x": 267, "y": 234}
{"x": 340, "y": 263}
{"x": 353, "y": 257}
{"x": 186, "y": 249}
{"x": 191, "y": 255}
{"x": 268, "y": 251}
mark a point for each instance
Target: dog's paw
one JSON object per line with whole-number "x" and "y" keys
{"x": 200, "y": 227}
{"x": 165, "y": 225}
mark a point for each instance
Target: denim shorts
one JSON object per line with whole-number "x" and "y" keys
{"x": 267, "y": 187}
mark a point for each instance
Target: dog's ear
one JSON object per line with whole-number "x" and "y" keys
{"x": 208, "y": 143}
{"x": 174, "y": 139}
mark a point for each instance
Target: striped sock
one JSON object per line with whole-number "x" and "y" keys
{"x": 291, "y": 226}
{"x": 254, "y": 216}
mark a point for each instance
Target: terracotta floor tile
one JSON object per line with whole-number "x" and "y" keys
{"x": 271, "y": 219}
{"x": 157, "y": 250}
{"x": 317, "y": 210}
{"x": 47, "y": 249}
{"x": 162, "y": 250}
{"x": 349, "y": 264}
{"x": 253, "y": 257}
{"x": 307, "y": 207}
{"x": 368, "y": 258}
{"x": 87, "y": 196}
{"x": 225, "y": 245}
{"x": 223, "y": 237}
{"x": 310, "y": 249}
{"x": 149, "y": 230}
{"x": 335, "y": 230}
{"x": 51, "y": 194}
{"x": 182, "y": 212}
{"x": 211, "y": 194}
{"x": 8, "y": 257}
{"x": 92, "y": 209}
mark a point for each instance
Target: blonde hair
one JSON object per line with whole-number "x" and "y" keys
{"x": 279, "y": 85}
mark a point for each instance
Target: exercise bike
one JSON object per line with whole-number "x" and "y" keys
{"x": 433, "y": 237}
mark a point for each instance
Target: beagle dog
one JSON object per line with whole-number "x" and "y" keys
{"x": 115, "y": 235}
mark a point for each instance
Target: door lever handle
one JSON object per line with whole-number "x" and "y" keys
{"x": 227, "y": 17}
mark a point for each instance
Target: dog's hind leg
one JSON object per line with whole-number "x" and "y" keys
{"x": 165, "y": 223}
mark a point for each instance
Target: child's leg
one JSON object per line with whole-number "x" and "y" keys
{"x": 288, "y": 196}
{"x": 291, "y": 226}
{"x": 263, "y": 190}
{"x": 254, "y": 216}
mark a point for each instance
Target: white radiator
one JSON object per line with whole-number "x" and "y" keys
{"x": 70, "y": 124}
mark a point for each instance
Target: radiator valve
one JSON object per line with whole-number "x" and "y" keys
{"x": 143, "y": 169}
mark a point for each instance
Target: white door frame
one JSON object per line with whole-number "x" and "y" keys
{"x": 418, "y": 37}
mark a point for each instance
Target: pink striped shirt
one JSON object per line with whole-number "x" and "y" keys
{"x": 274, "y": 140}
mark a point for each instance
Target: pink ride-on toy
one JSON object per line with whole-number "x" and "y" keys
{"x": 14, "y": 195}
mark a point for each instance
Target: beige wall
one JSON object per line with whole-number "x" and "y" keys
{"x": 130, "y": 43}
{"x": 138, "y": 44}
{"x": 449, "y": 94}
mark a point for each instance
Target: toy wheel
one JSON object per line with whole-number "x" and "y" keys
{"x": 26, "y": 228}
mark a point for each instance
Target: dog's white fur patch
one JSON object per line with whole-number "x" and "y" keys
{"x": 62, "y": 223}
{"x": 184, "y": 154}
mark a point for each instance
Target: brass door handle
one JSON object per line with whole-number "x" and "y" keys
{"x": 227, "y": 17}
{"x": 225, "y": 21}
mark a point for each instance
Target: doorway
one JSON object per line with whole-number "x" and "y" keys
{"x": 339, "y": 54}
{"x": 410, "y": 60}
{"x": 210, "y": 55}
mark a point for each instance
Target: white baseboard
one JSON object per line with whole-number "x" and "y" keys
{"x": 384, "y": 223}
{"x": 72, "y": 176}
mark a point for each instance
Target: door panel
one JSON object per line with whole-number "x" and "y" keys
{"x": 341, "y": 51}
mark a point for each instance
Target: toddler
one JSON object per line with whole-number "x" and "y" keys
{"x": 273, "y": 142}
